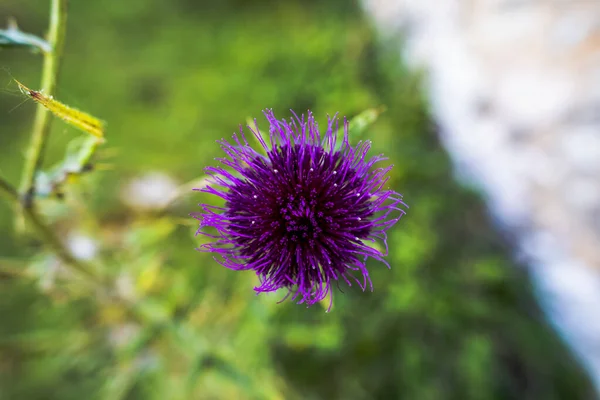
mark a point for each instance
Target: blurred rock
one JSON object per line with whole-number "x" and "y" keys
{"x": 82, "y": 246}
{"x": 515, "y": 86}
{"x": 151, "y": 191}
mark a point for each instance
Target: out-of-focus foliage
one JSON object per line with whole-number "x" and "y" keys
{"x": 452, "y": 319}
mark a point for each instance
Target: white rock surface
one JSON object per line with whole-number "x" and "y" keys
{"x": 149, "y": 192}
{"x": 83, "y": 247}
{"x": 515, "y": 86}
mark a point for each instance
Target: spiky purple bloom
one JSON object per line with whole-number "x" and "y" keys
{"x": 300, "y": 215}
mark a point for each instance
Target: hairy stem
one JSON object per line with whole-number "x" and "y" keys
{"x": 41, "y": 126}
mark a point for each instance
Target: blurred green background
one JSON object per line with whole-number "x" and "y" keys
{"x": 453, "y": 319}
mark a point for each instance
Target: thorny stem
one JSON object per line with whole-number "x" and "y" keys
{"x": 41, "y": 126}
{"x": 46, "y": 233}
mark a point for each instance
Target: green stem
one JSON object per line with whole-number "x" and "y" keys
{"x": 41, "y": 126}
{"x": 46, "y": 233}
{"x": 8, "y": 190}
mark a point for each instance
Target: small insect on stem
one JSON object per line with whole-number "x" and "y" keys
{"x": 79, "y": 119}
{"x": 34, "y": 94}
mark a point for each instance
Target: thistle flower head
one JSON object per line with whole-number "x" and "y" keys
{"x": 301, "y": 216}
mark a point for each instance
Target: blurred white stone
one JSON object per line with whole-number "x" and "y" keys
{"x": 151, "y": 191}
{"x": 515, "y": 87}
{"x": 82, "y": 247}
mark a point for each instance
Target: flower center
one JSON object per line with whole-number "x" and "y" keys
{"x": 301, "y": 217}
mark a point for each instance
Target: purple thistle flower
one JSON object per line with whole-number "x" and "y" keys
{"x": 299, "y": 216}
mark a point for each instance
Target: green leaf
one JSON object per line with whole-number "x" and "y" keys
{"x": 358, "y": 125}
{"x": 252, "y": 124}
{"x": 72, "y": 116}
{"x": 13, "y": 37}
{"x": 77, "y": 161}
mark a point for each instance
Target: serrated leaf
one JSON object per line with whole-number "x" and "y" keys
{"x": 13, "y": 37}
{"x": 79, "y": 119}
